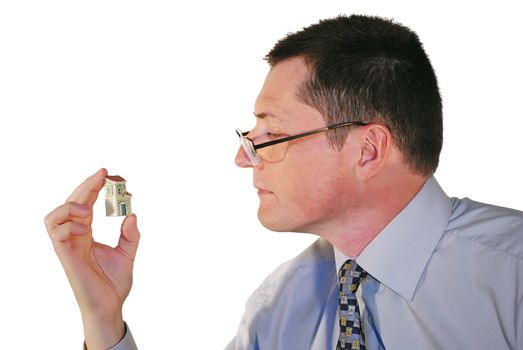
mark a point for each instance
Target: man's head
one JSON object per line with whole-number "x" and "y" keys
{"x": 372, "y": 70}
{"x": 345, "y": 69}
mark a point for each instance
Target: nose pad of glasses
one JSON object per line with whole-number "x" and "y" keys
{"x": 250, "y": 158}
{"x": 249, "y": 153}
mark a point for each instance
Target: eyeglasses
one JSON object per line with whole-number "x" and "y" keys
{"x": 277, "y": 152}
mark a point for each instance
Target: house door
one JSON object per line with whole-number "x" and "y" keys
{"x": 123, "y": 209}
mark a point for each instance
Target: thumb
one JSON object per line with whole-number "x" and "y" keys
{"x": 129, "y": 236}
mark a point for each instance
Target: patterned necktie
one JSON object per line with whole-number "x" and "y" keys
{"x": 351, "y": 334}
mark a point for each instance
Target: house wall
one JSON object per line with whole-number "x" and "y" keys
{"x": 114, "y": 196}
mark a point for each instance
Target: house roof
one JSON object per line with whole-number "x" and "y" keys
{"x": 115, "y": 178}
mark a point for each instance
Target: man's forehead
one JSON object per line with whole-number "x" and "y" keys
{"x": 278, "y": 100}
{"x": 276, "y": 108}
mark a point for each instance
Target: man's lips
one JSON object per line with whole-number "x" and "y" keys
{"x": 262, "y": 191}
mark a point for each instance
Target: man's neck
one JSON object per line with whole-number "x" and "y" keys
{"x": 379, "y": 206}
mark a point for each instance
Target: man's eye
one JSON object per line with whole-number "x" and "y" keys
{"x": 266, "y": 136}
{"x": 272, "y": 135}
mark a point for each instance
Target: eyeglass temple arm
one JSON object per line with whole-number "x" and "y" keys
{"x": 312, "y": 132}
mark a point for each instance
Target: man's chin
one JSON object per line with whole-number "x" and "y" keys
{"x": 277, "y": 223}
{"x": 271, "y": 223}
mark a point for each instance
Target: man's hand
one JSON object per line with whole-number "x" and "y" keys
{"x": 100, "y": 276}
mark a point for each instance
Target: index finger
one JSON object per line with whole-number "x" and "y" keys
{"x": 88, "y": 190}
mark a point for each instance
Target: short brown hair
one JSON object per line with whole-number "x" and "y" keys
{"x": 373, "y": 70}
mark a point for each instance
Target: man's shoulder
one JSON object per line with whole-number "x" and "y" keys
{"x": 317, "y": 255}
{"x": 293, "y": 297}
{"x": 312, "y": 265}
{"x": 494, "y": 227}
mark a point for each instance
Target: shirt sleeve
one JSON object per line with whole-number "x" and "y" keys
{"x": 127, "y": 342}
{"x": 231, "y": 345}
{"x": 235, "y": 345}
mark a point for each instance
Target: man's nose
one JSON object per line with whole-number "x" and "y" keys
{"x": 241, "y": 159}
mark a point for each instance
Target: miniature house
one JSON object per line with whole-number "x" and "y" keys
{"x": 117, "y": 199}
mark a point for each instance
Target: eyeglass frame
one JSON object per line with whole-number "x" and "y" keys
{"x": 242, "y": 136}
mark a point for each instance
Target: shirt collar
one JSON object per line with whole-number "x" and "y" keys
{"x": 398, "y": 255}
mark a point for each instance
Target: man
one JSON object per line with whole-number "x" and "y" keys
{"x": 348, "y": 134}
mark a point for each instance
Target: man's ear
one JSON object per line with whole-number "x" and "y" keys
{"x": 375, "y": 148}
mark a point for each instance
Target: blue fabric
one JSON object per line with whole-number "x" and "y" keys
{"x": 444, "y": 274}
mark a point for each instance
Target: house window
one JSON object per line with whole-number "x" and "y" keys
{"x": 120, "y": 190}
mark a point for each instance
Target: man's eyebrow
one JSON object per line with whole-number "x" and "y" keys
{"x": 265, "y": 115}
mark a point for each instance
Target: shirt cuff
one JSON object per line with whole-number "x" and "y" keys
{"x": 127, "y": 342}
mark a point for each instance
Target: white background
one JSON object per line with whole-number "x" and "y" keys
{"x": 153, "y": 91}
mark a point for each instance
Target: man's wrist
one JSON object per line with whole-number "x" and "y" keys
{"x": 103, "y": 335}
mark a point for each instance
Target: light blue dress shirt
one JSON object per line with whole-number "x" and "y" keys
{"x": 445, "y": 273}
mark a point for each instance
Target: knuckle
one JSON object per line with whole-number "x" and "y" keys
{"x": 60, "y": 232}
{"x": 69, "y": 208}
{"x": 50, "y": 220}
{"x": 47, "y": 220}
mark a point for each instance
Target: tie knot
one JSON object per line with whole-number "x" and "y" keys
{"x": 351, "y": 274}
